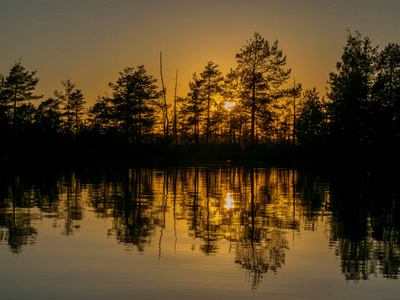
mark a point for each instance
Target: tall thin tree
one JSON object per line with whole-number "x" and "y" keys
{"x": 174, "y": 128}
{"x": 19, "y": 86}
{"x": 212, "y": 84}
{"x": 164, "y": 104}
{"x": 65, "y": 98}
{"x": 260, "y": 67}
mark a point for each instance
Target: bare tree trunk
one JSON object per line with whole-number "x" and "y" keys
{"x": 165, "y": 107}
{"x": 208, "y": 111}
{"x": 68, "y": 116}
{"x": 140, "y": 121}
{"x": 175, "y": 121}
{"x": 294, "y": 113}
{"x": 14, "y": 111}
{"x": 253, "y": 116}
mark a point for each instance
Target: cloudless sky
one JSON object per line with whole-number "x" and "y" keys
{"x": 91, "y": 41}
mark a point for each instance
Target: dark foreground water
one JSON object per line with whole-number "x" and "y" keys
{"x": 215, "y": 232}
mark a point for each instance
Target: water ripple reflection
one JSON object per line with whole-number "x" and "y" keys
{"x": 255, "y": 214}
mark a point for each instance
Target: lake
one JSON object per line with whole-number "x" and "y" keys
{"x": 199, "y": 232}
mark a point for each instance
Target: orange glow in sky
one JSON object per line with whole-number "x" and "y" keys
{"x": 91, "y": 41}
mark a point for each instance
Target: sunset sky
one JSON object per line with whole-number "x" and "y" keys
{"x": 90, "y": 41}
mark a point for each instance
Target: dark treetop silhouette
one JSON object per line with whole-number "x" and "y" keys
{"x": 253, "y": 111}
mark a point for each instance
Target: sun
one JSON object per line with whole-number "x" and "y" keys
{"x": 228, "y": 106}
{"x": 229, "y": 201}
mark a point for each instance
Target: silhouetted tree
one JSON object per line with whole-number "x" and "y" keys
{"x": 163, "y": 105}
{"x": 175, "y": 112}
{"x": 134, "y": 96}
{"x": 48, "y": 116}
{"x": 76, "y": 107}
{"x": 183, "y": 116}
{"x": 101, "y": 115}
{"x": 65, "y": 98}
{"x": 350, "y": 92}
{"x": 25, "y": 114}
{"x": 311, "y": 120}
{"x": 261, "y": 73}
{"x": 195, "y": 105}
{"x": 235, "y": 116}
{"x": 18, "y": 87}
{"x": 212, "y": 80}
{"x": 278, "y": 118}
{"x": 2, "y": 86}
{"x": 386, "y": 100}
{"x": 4, "y": 108}
{"x": 294, "y": 94}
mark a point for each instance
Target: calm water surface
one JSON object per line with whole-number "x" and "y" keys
{"x": 215, "y": 232}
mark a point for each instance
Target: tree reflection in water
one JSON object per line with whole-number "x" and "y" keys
{"x": 365, "y": 223}
{"x": 256, "y": 210}
{"x": 15, "y": 217}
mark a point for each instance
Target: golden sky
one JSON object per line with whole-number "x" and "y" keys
{"x": 90, "y": 41}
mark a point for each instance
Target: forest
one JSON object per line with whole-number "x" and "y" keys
{"x": 255, "y": 110}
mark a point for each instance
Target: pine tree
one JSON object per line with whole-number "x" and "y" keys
{"x": 76, "y": 106}
{"x": 195, "y": 105}
{"x": 386, "y": 98}
{"x": 211, "y": 79}
{"x": 260, "y": 67}
{"x": 351, "y": 91}
{"x": 311, "y": 120}
{"x": 134, "y": 98}
{"x": 4, "y": 108}
{"x": 48, "y": 116}
{"x": 18, "y": 87}
{"x": 65, "y": 98}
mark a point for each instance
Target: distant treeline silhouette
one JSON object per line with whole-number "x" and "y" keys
{"x": 253, "y": 107}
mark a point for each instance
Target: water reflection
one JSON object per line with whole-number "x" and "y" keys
{"x": 256, "y": 210}
{"x": 366, "y": 225}
{"x": 15, "y": 217}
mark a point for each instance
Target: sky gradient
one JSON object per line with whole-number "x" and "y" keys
{"x": 90, "y": 41}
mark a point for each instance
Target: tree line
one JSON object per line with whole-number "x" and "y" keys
{"x": 254, "y": 104}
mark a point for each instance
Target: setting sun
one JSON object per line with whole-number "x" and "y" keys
{"x": 229, "y": 201}
{"x": 229, "y": 105}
